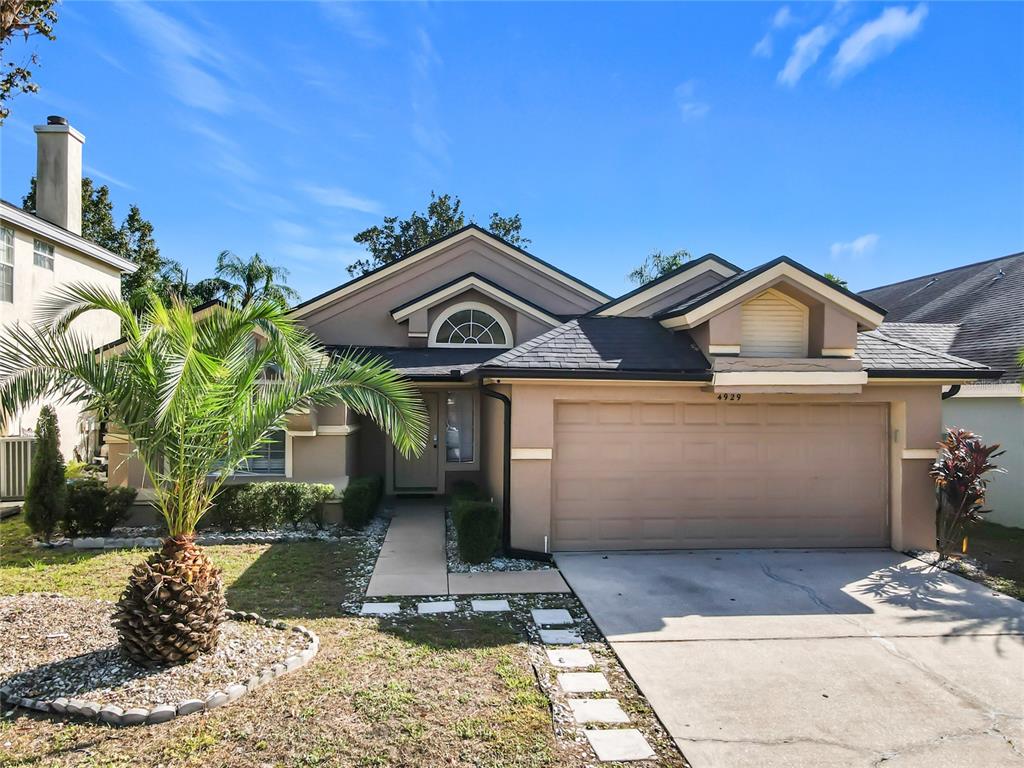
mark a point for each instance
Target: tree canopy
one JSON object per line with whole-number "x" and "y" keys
{"x": 658, "y": 264}
{"x": 244, "y": 281}
{"x": 28, "y": 18}
{"x": 396, "y": 237}
{"x": 836, "y": 279}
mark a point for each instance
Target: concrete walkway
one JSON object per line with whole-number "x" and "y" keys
{"x": 412, "y": 561}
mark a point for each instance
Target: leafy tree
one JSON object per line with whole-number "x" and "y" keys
{"x": 837, "y": 280}
{"x": 190, "y": 393}
{"x": 658, "y": 264}
{"x": 47, "y": 488}
{"x": 256, "y": 279}
{"x": 396, "y": 237}
{"x": 28, "y": 18}
{"x": 173, "y": 281}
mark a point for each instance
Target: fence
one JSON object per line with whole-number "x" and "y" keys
{"x": 15, "y": 464}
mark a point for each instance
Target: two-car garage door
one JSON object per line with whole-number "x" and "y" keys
{"x": 719, "y": 474}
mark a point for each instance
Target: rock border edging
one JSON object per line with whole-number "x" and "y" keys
{"x": 161, "y": 713}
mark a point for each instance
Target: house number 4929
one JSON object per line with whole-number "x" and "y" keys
{"x": 729, "y": 396}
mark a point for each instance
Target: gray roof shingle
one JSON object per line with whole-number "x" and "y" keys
{"x": 427, "y": 362}
{"x": 878, "y": 352}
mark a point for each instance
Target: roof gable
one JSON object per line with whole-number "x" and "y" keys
{"x": 469, "y": 281}
{"x": 667, "y": 283}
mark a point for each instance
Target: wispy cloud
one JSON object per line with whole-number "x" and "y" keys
{"x": 782, "y": 18}
{"x": 876, "y": 39}
{"x": 97, "y": 173}
{"x": 690, "y": 108}
{"x": 806, "y": 51}
{"x": 351, "y": 20}
{"x": 289, "y": 229}
{"x": 857, "y": 247}
{"x": 336, "y": 197}
{"x": 766, "y": 45}
{"x": 427, "y": 130}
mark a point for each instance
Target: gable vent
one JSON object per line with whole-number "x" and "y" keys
{"x": 773, "y": 325}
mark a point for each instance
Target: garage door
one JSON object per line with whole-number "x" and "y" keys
{"x": 720, "y": 474}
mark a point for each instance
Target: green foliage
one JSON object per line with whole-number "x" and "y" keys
{"x": 658, "y": 264}
{"x": 836, "y": 279}
{"x": 27, "y": 18}
{"x": 269, "y": 505}
{"x": 93, "y": 509}
{"x": 46, "y": 493}
{"x": 256, "y": 279}
{"x": 467, "y": 490}
{"x": 960, "y": 484}
{"x": 397, "y": 237}
{"x": 477, "y": 525}
{"x": 360, "y": 499}
{"x": 192, "y": 392}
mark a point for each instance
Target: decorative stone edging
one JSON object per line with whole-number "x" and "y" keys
{"x": 114, "y": 715}
{"x": 203, "y": 539}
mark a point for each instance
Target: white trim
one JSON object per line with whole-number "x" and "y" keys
{"x": 288, "y": 454}
{"x": 499, "y": 318}
{"x": 990, "y": 390}
{"x": 417, "y": 334}
{"x": 770, "y": 294}
{"x": 471, "y": 281}
{"x": 723, "y": 349}
{"x": 654, "y": 291}
{"x": 508, "y": 250}
{"x": 788, "y": 378}
{"x": 838, "y": 352}
{"x": 337, "y": 429}
{"x": 544, "y": 454}
{"x": 920, "y": 453}
{"x": 756, "y": 285}
{"x": 301, "y": 432}
{"x": 64, "y": 238}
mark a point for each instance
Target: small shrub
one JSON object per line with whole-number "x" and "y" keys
{"x": 46, "y": 493}
{"x": 269, "y": 505}
{"x": 467, "y": 490}
{"x": 360, "y": 499}
{"x": 93, "y": 509}
{"x": 227, "y": 514}
{"x": 477, "y": 525}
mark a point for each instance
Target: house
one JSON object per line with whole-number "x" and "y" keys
{"x": 43, "y": 250}
{"x": 713, "y": 407}
{"x": 975, "y": 311}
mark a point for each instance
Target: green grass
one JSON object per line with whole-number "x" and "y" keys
{"x": 1000, "y": 549}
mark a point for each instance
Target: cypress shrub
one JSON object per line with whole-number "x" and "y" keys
{"x": 477, "y": 525}
{"x": 47, "y": 490}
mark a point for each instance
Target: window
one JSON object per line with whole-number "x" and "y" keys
{"x": 6, "y": 264}
{"x": 42, "y": 255}
{"x": 470, "y": 324}
{"x": 458, "y": 432}
{"x": 269, "y": 458}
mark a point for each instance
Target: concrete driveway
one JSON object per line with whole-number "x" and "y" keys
{"x": 821, "y": 658}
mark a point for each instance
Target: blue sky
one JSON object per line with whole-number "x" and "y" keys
{"x": 874, "y": 141}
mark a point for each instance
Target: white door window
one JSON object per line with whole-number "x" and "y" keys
{"x": 459, "y": 428}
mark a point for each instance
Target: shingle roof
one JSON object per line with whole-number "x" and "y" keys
{"x": 881, "y": 353}
{"x": 427, "y": 362}
{"x": 937, "y": 336}
{"x": 621, "y": 344}
{"x": 985, "y": 299}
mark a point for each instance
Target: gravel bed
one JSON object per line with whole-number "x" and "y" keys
{"x": 961, "y": 565}
{"x": 57, "y": 646}
{"x": 457, "y": 565}
{"x": 149, "y": 537}
{"x": 357, "y": 577}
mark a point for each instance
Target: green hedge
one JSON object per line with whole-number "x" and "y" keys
{"x": 92, "y": 509}
{"x": 360, "y": 499}
{"x": 477, "y": 525}
{"x": 269, "y": 505}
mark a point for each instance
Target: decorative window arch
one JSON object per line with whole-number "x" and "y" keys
{"x": 470, "y": 324}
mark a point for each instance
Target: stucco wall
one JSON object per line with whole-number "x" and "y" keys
{"x": 30, "y": 284}
{"x": 997, "y": 420}
{"x": 914, "y": 425}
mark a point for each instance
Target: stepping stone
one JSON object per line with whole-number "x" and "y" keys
{"x": 597, "y": 711}
{"x": 490, "y": 606}
{"x": 441, "y": 606}
{"x": 560, "y": 637}
{"x": 380, "y": 609}
{"x": 583, "y": 682}
{"x": 551, "y": 616}
{"x": 619, "y": 744}
{"x": 570, "y": 657}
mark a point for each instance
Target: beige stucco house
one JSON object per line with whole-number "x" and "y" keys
{"x": 41, "y": 251}
{"x": 714, "y": 407}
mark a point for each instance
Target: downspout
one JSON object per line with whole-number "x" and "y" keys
{"x": 506, "y": 482}
{"x": 951, "y": 392}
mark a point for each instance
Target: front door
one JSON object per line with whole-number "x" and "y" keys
{"x": 419, "y": 474}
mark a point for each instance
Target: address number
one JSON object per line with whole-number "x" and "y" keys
{"x": 729, "y": 396}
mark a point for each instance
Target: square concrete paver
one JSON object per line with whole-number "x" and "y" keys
{"x": 597, "y": 711}
{"x": 583, "y": 682}
{"x": 560, "y": 637}
{"x": 507, "y": 582}
{"x": 438, "y": 606}
{"x": 619, "y": 744}
{"x": 380, "y": 609}
{"x": 571, "y": 657}
{"x": 551, "y": 616}
{"x": 490, "y": 606}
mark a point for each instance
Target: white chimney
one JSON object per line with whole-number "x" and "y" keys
{"x": 59, "y": 174}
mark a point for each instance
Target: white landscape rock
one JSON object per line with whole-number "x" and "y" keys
{"x": 583, "y": 682}
{"x": 567, "y": 658}
{"x": 490, "y": 606}
{"x": 597, "y": 711}
{"x": 620, "y": 744}
{"x": 551, "y": 617}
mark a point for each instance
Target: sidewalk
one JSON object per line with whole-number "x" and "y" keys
{"x": 412, "y": 561}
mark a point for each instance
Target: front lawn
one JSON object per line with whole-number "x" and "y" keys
{"x": 432, "y": 691}
{"x": 1000, "y": 550}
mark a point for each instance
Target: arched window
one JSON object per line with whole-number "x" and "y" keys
{"x": 470, "y": 324}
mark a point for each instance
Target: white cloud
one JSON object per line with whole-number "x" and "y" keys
{"x": 876, "y": 39}
{"x": 290, "y": 230}
{"x": 690, "y": 108}
{"x": 336, "y": 197}
{"x": 763, "y": 47}
{"x": 93, "y": 171}
{"x": 857, "y": 247}
{"x": 427, "y": 130}
{"x": 352, "y": 21}
{"x": 806, "y": 51}
{"x": 782, "y": 18}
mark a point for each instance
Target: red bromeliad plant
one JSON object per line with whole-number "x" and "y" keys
{"x": 960, "y": 484}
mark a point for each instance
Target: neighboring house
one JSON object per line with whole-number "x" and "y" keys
{"x": 977, "y": 312}
{"x": 41, "y": 251}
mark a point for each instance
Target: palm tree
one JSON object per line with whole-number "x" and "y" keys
{"x": 192, "y": 394}
{"x": 248, "y": 281}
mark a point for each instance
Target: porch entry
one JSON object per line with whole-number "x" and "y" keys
{"x": 419, "y": 474}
